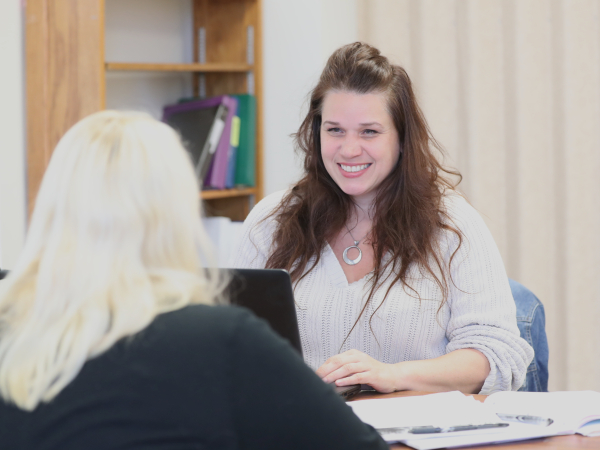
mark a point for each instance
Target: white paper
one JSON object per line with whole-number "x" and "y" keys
{"x": 514, "y": 432}
{"x": 438, "y": 410}
{"x": 568, "y": 409}
{"x": 590, "y": 429}
{"x": 225, "y": 235}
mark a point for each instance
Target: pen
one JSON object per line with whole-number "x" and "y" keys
{"x": 423, "y": 430}
{"x": 432, "y": 429}
{"x": 533, "y": 420}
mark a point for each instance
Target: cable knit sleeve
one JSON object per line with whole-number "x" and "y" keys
{"x": 483, "y": 312}
{"x": 257, "y": 234}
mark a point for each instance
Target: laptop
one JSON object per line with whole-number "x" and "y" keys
{"x": 268, "y": 294}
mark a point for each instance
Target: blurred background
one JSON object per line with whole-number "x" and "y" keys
{"x": 511, "y": 89}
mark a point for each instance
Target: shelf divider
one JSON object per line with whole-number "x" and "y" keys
{"x": 185, "y": 67}
{"x": 227, "y": 193}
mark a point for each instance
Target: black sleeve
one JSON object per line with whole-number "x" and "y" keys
{"x": 280, "y": 402}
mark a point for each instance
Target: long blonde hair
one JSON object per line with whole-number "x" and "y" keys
{"x": 115, "y": 239}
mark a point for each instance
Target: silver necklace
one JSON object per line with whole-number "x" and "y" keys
{"x": 347, "y": 260}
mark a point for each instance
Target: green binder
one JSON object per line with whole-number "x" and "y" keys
{"x": 245, "y": 165}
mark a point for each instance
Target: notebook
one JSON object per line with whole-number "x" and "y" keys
{"x": 268, "y": 294}
{"x": 461, "y": 420}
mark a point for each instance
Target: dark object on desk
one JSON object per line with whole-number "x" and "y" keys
{"x": 531, "y": 320}
{"x": 347, "y": 392}
{"x": 3, "y": 273}
{"x": 199, "y": 377}
{"x": 268, "y": 294}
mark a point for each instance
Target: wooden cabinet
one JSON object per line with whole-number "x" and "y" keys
{"x": 66, "y": 75}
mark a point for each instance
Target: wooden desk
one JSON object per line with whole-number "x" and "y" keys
{"x": 550, "y": 443}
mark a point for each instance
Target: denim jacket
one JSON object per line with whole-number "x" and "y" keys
{"x": 531, "y": 321}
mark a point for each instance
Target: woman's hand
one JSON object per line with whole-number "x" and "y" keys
{"x": 464, "y": 370}
{"x": 355, "y": 367}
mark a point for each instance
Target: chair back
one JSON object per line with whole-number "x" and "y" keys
{"x": 531, "y": 320}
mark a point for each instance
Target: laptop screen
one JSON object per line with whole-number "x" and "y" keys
{"x": 268, "y": 294}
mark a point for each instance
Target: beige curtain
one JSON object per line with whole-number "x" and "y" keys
{"x": 511, "y": 88}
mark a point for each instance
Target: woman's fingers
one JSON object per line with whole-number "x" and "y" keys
{"x": 329, "y": 366}
{"x": 356, "y": 378}
{"x": 355, "y": 367}
{"x": 337, "y": 361}
{"x": 345, "y": 371}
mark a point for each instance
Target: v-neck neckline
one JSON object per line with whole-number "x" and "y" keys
{"x": 336, "y": 271}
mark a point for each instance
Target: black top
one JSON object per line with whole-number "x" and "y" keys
{"x": 198, "y": 378}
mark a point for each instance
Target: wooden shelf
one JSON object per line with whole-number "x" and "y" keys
{"x": 61, "y": 39}
{"x": 190, "y": 67}
{"x": 227, "y": 193}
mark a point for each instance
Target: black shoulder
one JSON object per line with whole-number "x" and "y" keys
{"x": 201, "y": 321}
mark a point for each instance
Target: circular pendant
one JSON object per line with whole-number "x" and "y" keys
{"x": 349, "y": 261}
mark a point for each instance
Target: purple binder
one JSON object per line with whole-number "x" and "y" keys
{"x": 217, "y": 173}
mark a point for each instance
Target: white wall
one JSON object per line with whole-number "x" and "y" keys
{"x": 298, "y": 37}
{"x": 339, "y": 25}
{"x": 147, "y": 31}
{"x": 12, "y": 147}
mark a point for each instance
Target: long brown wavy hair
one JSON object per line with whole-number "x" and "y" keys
{"x": 408, "y": 211}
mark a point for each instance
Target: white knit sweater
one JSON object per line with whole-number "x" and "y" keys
{"x": 480, "y": 312}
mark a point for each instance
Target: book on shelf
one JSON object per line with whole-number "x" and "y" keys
{"x": 216, "y": 176}
{"x": 452, "y": 419}
{"x": 234, "y": 144}
{"x": 245, "y": 167}
{"x": 200, "y": 124}
{"x": 237, "y": 166}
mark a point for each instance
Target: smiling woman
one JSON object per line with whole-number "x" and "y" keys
{"x": 359, "y": 143}
{"x": 359, "y": 149}
{"x": 398, "y": 282}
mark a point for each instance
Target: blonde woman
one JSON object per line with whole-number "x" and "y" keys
{"x": 107, "y": 336}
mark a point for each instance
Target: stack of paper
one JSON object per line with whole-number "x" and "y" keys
{"x": 572, "y": 412}
{"x": 399, "y": 419}
{"x": 444, "y": 409}
{"x": 225, "y": 235}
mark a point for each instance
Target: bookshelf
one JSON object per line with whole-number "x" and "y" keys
{"x": 67, "y": 75}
